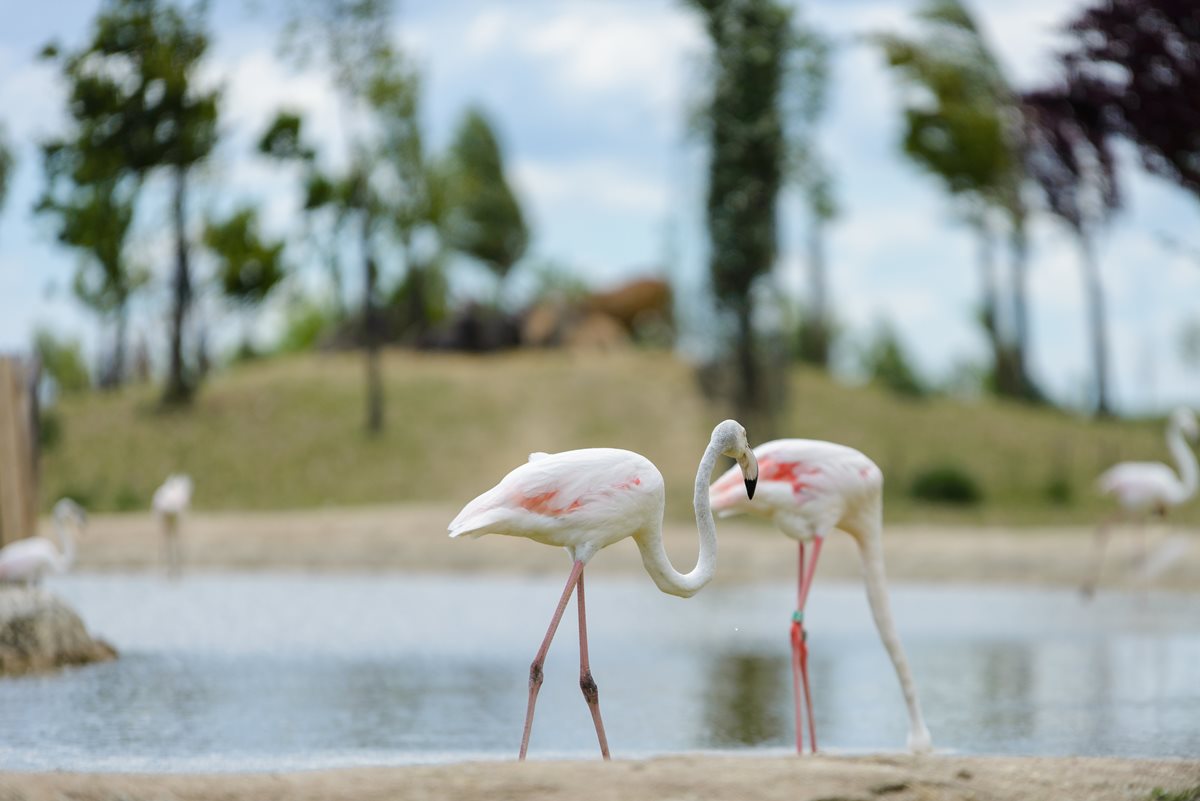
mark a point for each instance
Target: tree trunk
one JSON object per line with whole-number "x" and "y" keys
{"x": 815, "y": 345}
{"x": 179, "y": 389}
{"x": 371, "y": 333}
{"x": 750, "y": 396}
{"x": 1097, "y": 323}
{"x": 1005, "y": 377}
{"x": 118, "y": 361}
{"x": 1020, "y": 306}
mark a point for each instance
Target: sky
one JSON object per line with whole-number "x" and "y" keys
{"x": 592, "y": 100}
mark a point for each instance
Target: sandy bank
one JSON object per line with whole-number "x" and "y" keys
{"x": 413, "y": 538}
{"x": 895, "y": 778}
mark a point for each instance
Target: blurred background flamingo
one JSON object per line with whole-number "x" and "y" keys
{"x": 585, "y": 500}
{"x": 809, "y": 488}
{"x": 170, "y": 502}
{"x": 30, "y": 559}
{"x": 1145, "y": 488}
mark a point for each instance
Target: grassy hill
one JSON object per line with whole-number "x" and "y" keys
{"x": 288, "y": 433}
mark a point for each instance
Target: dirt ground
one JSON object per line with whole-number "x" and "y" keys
{"x": 690, "y": 778}
{"x": 413, "y": 538}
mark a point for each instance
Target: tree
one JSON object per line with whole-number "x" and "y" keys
{"x": 93, "y": 201}
{"x": 961, "y": 126}
{"x": 249, "y": 267}
{"x": 743, "y": 122}
{"x": 486, "y": 221}
{"x": 1072, "y": 162}
{"x": 353, "y": 37}
{"x": 6, "y": 167}
{"x": 135, "y": 82}
{"x": 1138, "y": 61}
{"x": 808, "y": 89}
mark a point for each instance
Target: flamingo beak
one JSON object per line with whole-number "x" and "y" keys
{"x": 749, "y": 465}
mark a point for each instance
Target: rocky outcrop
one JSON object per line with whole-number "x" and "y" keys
{"x": 39, "y": 632}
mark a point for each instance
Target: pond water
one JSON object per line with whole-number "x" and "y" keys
{"x": 277, "y": 671}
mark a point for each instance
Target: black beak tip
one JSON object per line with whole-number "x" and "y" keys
{"x": 750, "y": 485}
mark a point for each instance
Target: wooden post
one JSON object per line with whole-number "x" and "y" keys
{"x": 18, "y": 482}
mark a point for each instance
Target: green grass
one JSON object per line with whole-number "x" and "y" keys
{"x": 288, "y": 433}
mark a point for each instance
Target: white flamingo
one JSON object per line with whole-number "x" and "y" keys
{"x": 586, "y": 500}
{"x": 170, "y": 502}
{"x": 30, "y": 559}
{"x": 809, "y": 488}
{"x": 1145, "y": 488}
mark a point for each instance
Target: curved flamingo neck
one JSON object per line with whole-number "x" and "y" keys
{"x": 1185, "y": 459}
{"x": 66, "y": 541}
{"x": 654, "y": 556}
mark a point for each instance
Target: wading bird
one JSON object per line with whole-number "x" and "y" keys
{"x": 170, "y": 502}
{"x": 30, "y": 559}
{"x": 808, "y": 489}
{"x": 586, "y": 500}
{"x": 1145, "y": 488}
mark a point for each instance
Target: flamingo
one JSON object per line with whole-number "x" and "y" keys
{"x": 30, "y": 559}
{"x": 585, "y": 500}
{"x": 1143, "y": 488}
{"x": 170, "y": 502}
{"x": 809, "y": 488}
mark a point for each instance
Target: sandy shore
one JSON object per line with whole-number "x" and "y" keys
{"x": 413, "y": 538}
{"x": 691, "y": 778}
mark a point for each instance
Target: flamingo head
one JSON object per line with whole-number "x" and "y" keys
{"x": 731, "y": 437}
{"x": 1184, "y": 419}
{"x": 67, "y": 511}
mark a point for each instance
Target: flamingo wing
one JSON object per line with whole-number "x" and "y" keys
{"x": 1138, "y": 485}
{"x": 28, "y": 558}
{"x": 578, "y": 488}
{"x": 793, "y": 473}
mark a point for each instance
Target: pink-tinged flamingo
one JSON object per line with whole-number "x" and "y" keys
{"x": 809, "y": 488}
{"x": 170, "y": 502}
{"x": 30, "y": 559}
{"x": 1145, "y": 488}
{"x": 586, "y": 500}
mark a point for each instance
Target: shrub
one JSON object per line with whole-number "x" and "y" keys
{"x": 946, "y": 484}
{"x": 886, "y": 361}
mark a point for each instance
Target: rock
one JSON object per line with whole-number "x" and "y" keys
{"x": 39, "y": 632}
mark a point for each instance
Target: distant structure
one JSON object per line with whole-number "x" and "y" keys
{"x": 18, "y": 448}
{"x": 1145, "y": 488}
{"x": 638, "y": 310}
{"x": 170, "y": 503}
{"x": 27, "y": 561}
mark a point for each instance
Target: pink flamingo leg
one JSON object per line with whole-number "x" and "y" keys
{"x": 591, "y": 692}
{"x": 800, "y": 645}
{"x": 797, "y": 636}
{"x": 535, "y": 670}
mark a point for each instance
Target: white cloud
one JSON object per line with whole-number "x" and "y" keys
{"x": 589, "y": 184}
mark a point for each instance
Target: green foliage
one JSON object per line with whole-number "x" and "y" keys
{"x": 128, "y": 499}
{"x": 305, "y": 322}
{"x": 1189, "y": 794}
{"x": 743, "y": 122}
{"x": 249, "y": 268}
{"x": 63, "y": 362}
{"x": 948, "y": 483}
{"x": 956, "y": 114}
{"x": 49, "y": 430}
{"x": 485, "y": 221}
{"x": 282, "y": 139}
{"x": 886, "y": 361}
{"x": 1059, "y": 490}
